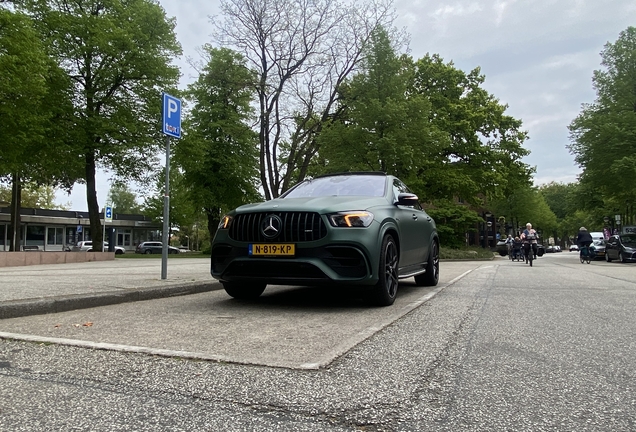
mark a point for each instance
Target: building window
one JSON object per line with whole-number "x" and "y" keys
{"x": 35, "y": 235}
{"x": 54, "y": 236}
{"x": 124, "y": 237}
{"x": 3, "y": 234}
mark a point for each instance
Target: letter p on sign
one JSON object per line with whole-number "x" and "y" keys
{"x": 171, "y": 124}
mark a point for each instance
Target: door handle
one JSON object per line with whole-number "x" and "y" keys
{"x": 414, "y": 217}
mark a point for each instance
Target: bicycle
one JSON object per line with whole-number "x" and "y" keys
{"x": 529, "y": 253}
{"x": 585, "y": 254}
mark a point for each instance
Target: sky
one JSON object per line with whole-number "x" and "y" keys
{"x": 538, "y": 57}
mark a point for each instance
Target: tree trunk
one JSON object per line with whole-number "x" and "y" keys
{"x": 93, "y": 205}
{"x": 16, "y": 204}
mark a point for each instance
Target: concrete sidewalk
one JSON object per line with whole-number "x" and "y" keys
{"x": 54, "y": 288}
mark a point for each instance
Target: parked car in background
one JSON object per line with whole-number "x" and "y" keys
{"x": 574, "y": 248}
{"x": 557, "y": 248}
{"x": 365, "y": 229}
{"x": 599, "y": 249}
{"x": 88, "y": 247}
{"x": 621, "y": 247}
{"x": 597, "y": 235}
{"x": 550, "y": 249}
{"x": 154, "y": 247}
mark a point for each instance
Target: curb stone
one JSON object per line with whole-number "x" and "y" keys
{"x": 47, "y": 305}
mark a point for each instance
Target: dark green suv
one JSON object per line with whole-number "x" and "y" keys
{"x": 364, "y": 229}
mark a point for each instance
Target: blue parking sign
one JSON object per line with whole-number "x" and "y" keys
{"x": 108, "y": 214}
{"x": 171, "y": 122}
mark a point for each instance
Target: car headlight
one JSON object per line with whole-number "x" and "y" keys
{"x": 225, "y": 222}
{"x": 351, "y": 219}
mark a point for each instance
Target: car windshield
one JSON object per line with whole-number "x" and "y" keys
{"x": 629, "y": 240}
{"x": 341, "y": 185}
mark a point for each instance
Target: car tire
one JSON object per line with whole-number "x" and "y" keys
{"x": 119, "y": 252}
{"x": 147, "y": 251}
{"x": 431, "y": 277}
{"x": 621, "y": 257}
{"x": 244, "y": 291}
{"x": 607, "y": 258}
{"x": 385, "y": 290}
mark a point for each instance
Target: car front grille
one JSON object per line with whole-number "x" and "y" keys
{"x": 296, "y": 227}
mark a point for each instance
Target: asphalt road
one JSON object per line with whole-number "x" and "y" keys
{"x": 503, "y": 347}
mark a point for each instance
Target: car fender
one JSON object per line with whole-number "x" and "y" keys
{"x": 388, "y": 225}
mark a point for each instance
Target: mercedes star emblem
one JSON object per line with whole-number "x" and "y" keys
{"x": 271, "y": 226}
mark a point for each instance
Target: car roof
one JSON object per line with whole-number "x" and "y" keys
{"x": 354, "y": 173}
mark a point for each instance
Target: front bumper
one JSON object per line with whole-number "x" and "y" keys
{"x": 343, "y": 256}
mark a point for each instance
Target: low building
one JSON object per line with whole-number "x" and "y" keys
{"x": 57, "y": 230}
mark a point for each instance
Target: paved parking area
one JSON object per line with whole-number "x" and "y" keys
{"x": 305, "y": 328}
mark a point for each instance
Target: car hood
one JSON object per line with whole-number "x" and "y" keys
{"x": 325, "y": 204}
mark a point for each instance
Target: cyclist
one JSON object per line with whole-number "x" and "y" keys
{"x": 529, "y": 237}
{"x": 584, "y": 240}
{"x": 509, "y": 241}
{"x": 516, "y": 248}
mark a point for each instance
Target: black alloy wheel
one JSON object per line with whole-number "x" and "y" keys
{"x": 607, "y": 257}
{"x": 431, "y": 277}
{"x": 244, "y": 291}
{"x": 621, "y": 257}
{"x": 148, "y": 252}
{"x": 385, "y": 290}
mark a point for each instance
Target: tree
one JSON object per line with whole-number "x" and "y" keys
{"x": 523, "y": 205}
{"x": 218, "y": 153}
{"x": 34, "y": 108}
{"x": 480, "y": 159}
{"x": 184, "y": 212}
{"x": 381, "y": 126}
{"x": 118, "y": 55}
{"x": 603, "y": 136}
{"x": 122, "y": 199}
{"x": 302, "y": 51}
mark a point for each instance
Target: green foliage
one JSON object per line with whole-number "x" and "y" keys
{"x": 381, "y": 128}
{"x": 603, "y": 136}
{"x": 34, "y": 196}
{"x": 219, "y": 153}
{"x": 453, "y": 222}
{"x": 35, "y": 107}
{"x": 23, "y": 67}
{"x": 465, "y": 253}
{"x": 123, "y": 200}
{"x": 523, "y": 205}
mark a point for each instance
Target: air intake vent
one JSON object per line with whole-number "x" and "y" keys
{"x": 294, "y": 227}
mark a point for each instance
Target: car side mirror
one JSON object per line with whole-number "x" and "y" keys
{"x": 407, "y": 199}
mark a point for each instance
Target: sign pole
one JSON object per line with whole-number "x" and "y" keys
{"x": 171, "y": 127}
{"x": 104, "y": 232}
{"x": 166, "y": 215}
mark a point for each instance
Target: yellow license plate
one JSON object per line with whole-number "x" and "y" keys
{"x": 272, "y": 249}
